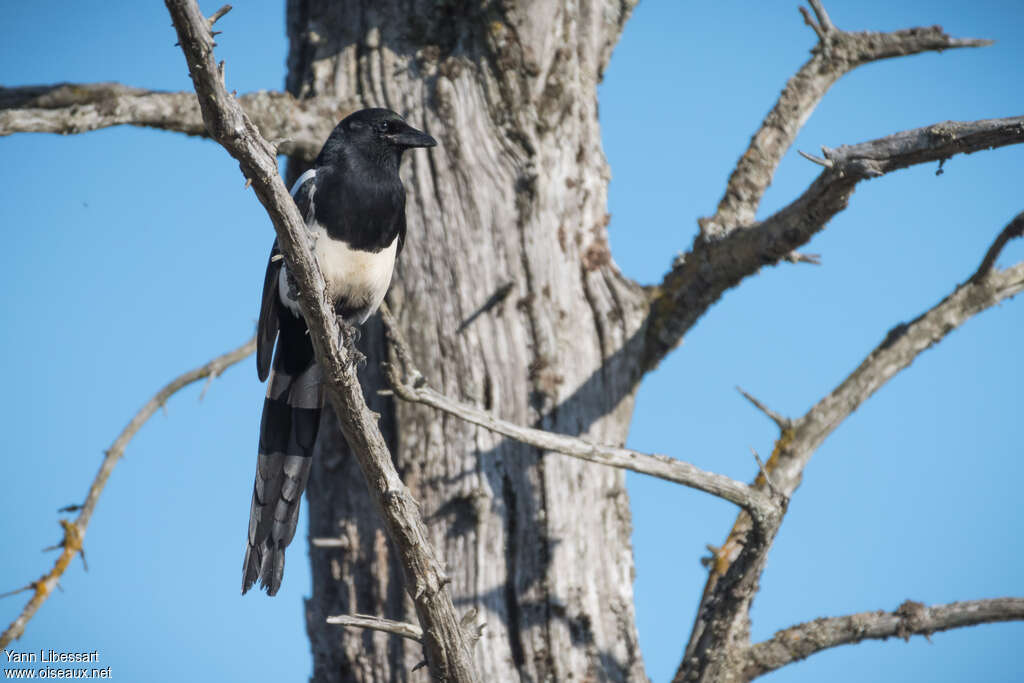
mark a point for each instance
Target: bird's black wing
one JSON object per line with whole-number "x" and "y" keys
{"x": 401, "y": 233}
{"x": 266, "y": 330}
{"x": 270, "y": 304}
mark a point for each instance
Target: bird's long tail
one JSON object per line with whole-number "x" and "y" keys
{"x": 291, "y": 417}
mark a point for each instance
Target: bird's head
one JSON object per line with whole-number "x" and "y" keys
{"x": 377, "y": 134}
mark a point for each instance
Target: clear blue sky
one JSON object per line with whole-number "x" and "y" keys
{"x": 133, "y": 255}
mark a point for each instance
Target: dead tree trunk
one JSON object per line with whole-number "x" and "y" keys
{"x": 510, "y": 300}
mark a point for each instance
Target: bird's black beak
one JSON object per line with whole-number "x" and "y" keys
{"x": 410, "y": 137}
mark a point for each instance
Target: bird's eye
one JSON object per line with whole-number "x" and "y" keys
{"x": 385, "y": 127}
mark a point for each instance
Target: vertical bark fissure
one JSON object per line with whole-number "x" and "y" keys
{"x": 511, "y": 594}
{"x": 595, "y": 314}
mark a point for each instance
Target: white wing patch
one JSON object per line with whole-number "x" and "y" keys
{"x": 311, "y": 173}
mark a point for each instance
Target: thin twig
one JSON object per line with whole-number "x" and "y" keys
{"x": 218, "y": 14}
{"x": 398, "y": 628}
{"x": 817, "y": 160}
{"x": 8, "y": 594}
{"x": 74, "y": 532}
{"x": 819, "y": 10}
{"x": 767, "y": 477}
{"x": 780, "y": 420}
{"x": 1013, "y": 230}
{"x": 801, "y": 257}
{"x": 400, "y": 347}
{"x": 812, "y": 23}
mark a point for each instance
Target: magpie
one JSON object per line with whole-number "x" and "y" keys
{"x": 353, "y": 203}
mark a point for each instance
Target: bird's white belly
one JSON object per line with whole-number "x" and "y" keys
{"x": 357, "y": 279}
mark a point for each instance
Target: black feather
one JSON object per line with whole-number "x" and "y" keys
{"x": 266, "y": 329}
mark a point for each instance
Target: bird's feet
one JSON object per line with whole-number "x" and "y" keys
{"x": 293, "y": 290}
{"x": 350, "y": 335}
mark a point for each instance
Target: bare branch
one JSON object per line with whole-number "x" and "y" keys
{"x": 780, "y": 420}
{"x": 713, "y": 266}
{"x": 823, "y": 19}
{"x": 398, "y": 628}
{"x": 813, "y": 159}
{"x": 767, "y": 477}
{"x": 818, "y": 31}
{"x": 838, "y": 53}
{"x": 910, "y": 618}
{"x": 715, "y": 263}
{"x": 8, "y": 594}
{"x": 74, "y": 532}
{"x": 1013, "y": 230}
{"x": 897, "y": 351}
{"x": 71, "y": 108}
{"x": 655, "y": 465}
{"x": 447, "y": 648}
{"x": 800, "y": 257}
{"x": 723, "y": 618}
{"x": 469, "y": 624}
{"x": 218, "y": 14}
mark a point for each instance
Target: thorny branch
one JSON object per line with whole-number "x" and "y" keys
{"x": 1013, "y": 230}
{"x": 70, "y": 108}
{"x": 448, "y": 650}
{"x": 723, "y": 617}
{"x": 909, "y": 619}
{"x": 74, "y": 532}
{"x": 664, "y": 467}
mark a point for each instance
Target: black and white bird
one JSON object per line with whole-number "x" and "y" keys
{"x": 353, "y": 203}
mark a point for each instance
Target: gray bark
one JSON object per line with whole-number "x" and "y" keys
{"x": 515, "y": 193}
{"x": 298, "y": 128}
{"x": 909, "y": 619}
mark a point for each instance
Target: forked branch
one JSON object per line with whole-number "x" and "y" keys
{"x": 74, "y": 531}
{"x": 713, "y": 266}
{"x": 722, "y": 624}
{"x": 837, "y": 53}
{"x": 715, "y": 262}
